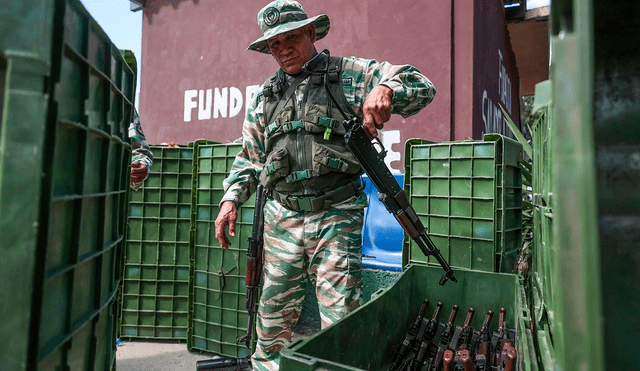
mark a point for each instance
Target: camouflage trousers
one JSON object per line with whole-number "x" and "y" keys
{"x": 326, "y": 247}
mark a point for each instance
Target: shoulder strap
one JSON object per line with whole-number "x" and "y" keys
{"x": 336, "y": 81}
{"x": 287, "y": 95}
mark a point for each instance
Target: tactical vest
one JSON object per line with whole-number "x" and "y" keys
{"x": 308, "y": 166}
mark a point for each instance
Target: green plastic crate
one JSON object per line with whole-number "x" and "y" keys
{"x": 67, "y": 98}
{"x": 366, "y": 338}
{"x": 25, "y": 55}
{"x": 542, "y": 141}
{"x": 155, "y": 296}
{"x": 596, "y": 202}
{"x": 469, "y": 196}
{"x": 218, "y": 295}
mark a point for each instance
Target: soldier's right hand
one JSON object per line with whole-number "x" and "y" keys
{"x": 227, "y": 217}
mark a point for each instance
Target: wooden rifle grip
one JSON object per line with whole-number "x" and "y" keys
{"x": 465, "y": 359}
{"x": 447, "y": 358}
{"x": 512, "y": 355}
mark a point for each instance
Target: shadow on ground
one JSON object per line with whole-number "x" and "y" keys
{"x": 157, "y": 355}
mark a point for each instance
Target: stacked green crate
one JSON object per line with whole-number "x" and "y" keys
{"x": 469, "y": 196}
{"x": 67, "y": 101}
{"x": 218, "y": 294}
{"x": 155, "y": 297}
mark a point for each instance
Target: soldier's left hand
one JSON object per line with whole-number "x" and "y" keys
{"x": 376, "y": 109}
{"x": 138, "y": 172}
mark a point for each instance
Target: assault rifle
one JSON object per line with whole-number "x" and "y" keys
{"x": 444, "y": 339}
{"x": 461, "y": 337}
{"x": 460, "y": 341}
{"x": 392, "y": 196}
{"x": 428, "y": 335}
{"x": 483, "y": 359}
{"x": 409, "y": 338}
{"x": 223, "y": 364}
{"x": 508, "y": 357}
{"x": 461, "y": 360}
{"x": 504, "y": 353}
{"x": 447, "y": 359}
{"x": 254, "y": 264}
{"x": 501, "y": 333}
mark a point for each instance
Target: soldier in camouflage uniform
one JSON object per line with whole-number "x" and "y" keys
{"x": 293, "y": 144}
{"x": 141, "y": 155}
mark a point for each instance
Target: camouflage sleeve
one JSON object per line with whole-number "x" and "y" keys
{"x": 140, "y": 150}
{"x": 243, "y": 177}
{"x": 412, "y": 90}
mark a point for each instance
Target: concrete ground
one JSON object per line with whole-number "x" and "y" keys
{"x": 156, "y": 355}
{"x": 172, "y": 355}
{"x": 162, "y": 355}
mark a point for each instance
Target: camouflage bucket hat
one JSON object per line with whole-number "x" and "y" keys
{"x": 282, "y": 16}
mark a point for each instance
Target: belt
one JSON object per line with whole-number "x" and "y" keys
{"x": 319, "y": 202}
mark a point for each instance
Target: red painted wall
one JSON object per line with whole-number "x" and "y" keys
{"x": 495, "y": 75}
{"x": 192, "y": 46}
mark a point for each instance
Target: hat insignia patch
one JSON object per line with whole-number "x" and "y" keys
{"x": 271, "y": 16}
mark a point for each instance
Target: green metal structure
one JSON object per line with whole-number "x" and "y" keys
{"x": 67, "y": 100}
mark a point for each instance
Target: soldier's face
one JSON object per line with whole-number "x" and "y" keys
{"x": 293, "y": 49}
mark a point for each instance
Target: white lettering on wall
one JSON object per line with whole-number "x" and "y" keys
{"x": 223, "y": 102}
{"x": 204, "y": 105}
{"x": 389, "y": 138}
{"x": 504, "y": 85}
{"x": 189, "y": 103}
{"x": 492, "y": 116}
{"x": 235, "y": 101}
{"x": 250, "y": 93}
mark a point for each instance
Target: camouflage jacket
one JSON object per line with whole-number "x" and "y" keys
{"x": 412, "y": 91}
{"x": 140, "y": 150}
